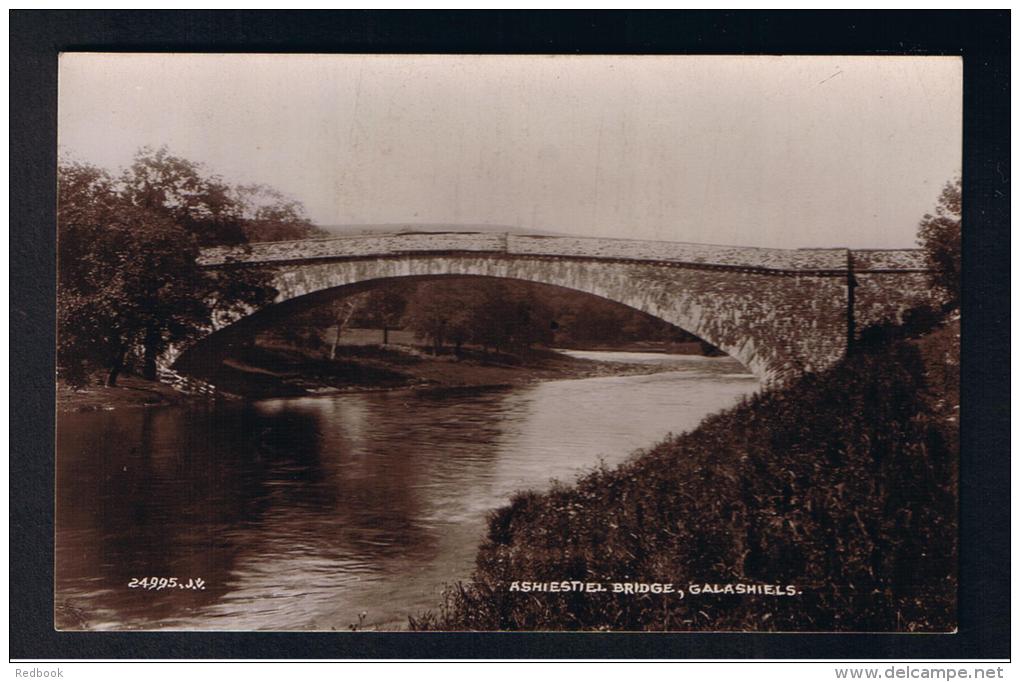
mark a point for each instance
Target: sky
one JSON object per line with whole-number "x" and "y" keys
{"x": 773, "y": 151}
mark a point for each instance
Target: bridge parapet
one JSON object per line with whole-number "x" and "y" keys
{"x": 354, "y": 247}
{"x": 900, "y": 260}
{"x": 679, "y": 253}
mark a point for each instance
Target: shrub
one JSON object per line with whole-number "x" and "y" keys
{"x": 842, "y": 484}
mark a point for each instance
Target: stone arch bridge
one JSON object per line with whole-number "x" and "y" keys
{"x": 780, "y": 312}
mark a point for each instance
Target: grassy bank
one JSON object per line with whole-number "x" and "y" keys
{"x": 842, "y": 485}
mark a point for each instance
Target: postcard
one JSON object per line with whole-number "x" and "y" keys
{"x": 507, "y": 343}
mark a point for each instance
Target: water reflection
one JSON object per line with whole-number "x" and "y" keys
{"x": 303, "y": 513}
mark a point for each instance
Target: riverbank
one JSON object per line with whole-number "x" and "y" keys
{"x": 260, "y": 372}
{"x": 829, "y": 505}
{"x": 130, "y": 392}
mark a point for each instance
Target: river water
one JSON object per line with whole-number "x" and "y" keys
{"x": 322, "y": 512}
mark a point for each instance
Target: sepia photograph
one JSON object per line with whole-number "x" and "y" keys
{"x": 466, "y": 342}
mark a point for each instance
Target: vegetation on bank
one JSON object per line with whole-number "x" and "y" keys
{"x": 274, "y": 371}
{"x": 131, "y": 391}
{"x": 269, "y": 368}
{"x": 940, "y": 236}
{"x": 843, "y": 484}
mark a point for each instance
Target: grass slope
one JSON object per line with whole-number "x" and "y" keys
{"x": 844, "y": 485}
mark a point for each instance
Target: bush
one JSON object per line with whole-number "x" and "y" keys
{"x": 842, "y": 484}
{"x": 940, "y": 237}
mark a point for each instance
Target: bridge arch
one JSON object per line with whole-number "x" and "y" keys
{"x": 242, "y": 327}
{"x": 780, "y": 312}
{"x": 625, "y": 283}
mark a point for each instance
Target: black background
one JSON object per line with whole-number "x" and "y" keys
{"x": 981, "y": 37}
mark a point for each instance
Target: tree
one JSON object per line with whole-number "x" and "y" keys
{"x": 510, "y": 315}
{"x": 383, "y": 308}
{"x": 163, "y": 184}
{"x": 120, "y": 266}
{"x": 169, "y": 185}
{"x": 492, "y": 319}
{"x": 340, "y": 314}
{"x": 940, "y": 235}
{"x": 439, "y": 313}
{"x": 128, "y": 281}
{"x": 268, "y": 215}
{"x": 489, "y": 313}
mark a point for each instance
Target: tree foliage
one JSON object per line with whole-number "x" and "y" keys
{"x": 128, "y": 282}
{"x": 123, "y": 269}
{"x": 488, "y": 313}
{"x": 440, "y": 314}
{"x": 176, "y": 188}
{"x": 940, "y": 237}
{"x": 269, "y": 215}
{"x": 384, "y": 308}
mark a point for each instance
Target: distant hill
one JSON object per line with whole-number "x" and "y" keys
{"x": 407, "y": 228}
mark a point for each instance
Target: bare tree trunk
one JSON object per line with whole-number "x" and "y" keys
{"x": 336, "y": 342}
{"x": 116, "y": 365}
{"x": 149, "y": 364}
{"x": 385, "y": 335}
{"x": 342, "y": 316}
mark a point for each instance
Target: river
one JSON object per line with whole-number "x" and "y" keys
{"x": 319, "y": 513}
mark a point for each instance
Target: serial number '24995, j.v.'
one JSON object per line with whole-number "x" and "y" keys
{"x": 155, "y": 583}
